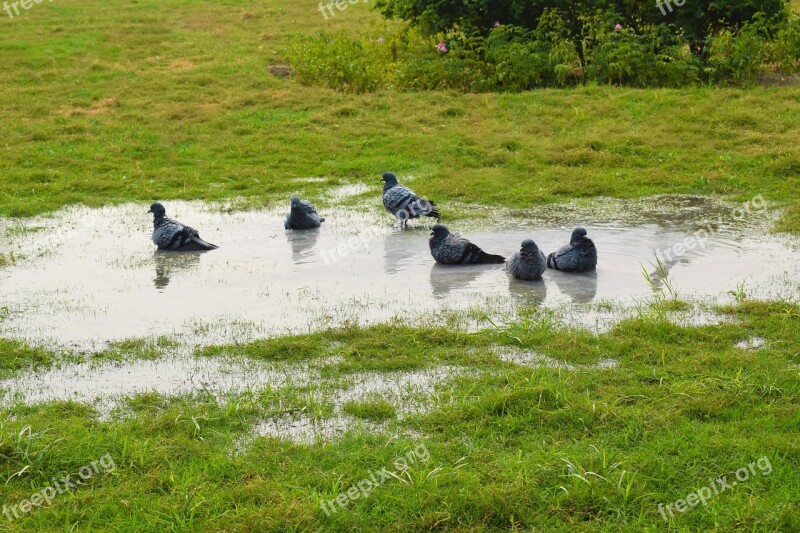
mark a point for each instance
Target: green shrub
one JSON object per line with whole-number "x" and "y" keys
{"x": 696, "y": 19}
{"x": 341, "y": 63}
{"x": 515, "y": 58}
{"x": 785, "y": 52}
{"x": 737, "y": 59}
{"x": 655, "y": 58}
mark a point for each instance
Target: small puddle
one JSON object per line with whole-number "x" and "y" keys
{"x": 533, "y": 359}
{"x": 89, "y": 276}
{"x": 307, "y": 430}
{"x": 106, "y": 384}
{"x": 754, "y": 343}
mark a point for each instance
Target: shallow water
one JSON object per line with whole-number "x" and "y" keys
{"x": 104, "y": 384}
{"x": 89, "y": 276}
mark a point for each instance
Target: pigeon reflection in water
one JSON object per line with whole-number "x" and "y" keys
{"x": 401, "y": 248}
{"x": 170, "y": 263}
{"x": 446, "y": 278}
{"x": 527, "y": 293}
{"x": 302, "y": 243}
{"x": 581, "y": 288}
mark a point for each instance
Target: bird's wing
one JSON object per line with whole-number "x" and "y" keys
{"x": 172, "y": 235}
{"x": 452, "y": 248}
{"x": 308, "y": 207}
{"x": 565, "y": 257}
{"x": 164, "y": 234}
{"x": 471, "y": 253}
{"x": 398, "y": 197}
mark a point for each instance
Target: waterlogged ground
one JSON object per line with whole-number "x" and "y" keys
{"x": 83, "y": 277}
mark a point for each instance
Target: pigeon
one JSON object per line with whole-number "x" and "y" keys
{"x": 529, "y": 263}
{"x": 302, "y": 215}
{"x": 453, "y": 249}
{"x": 170, "y": 234}
{"x": 403, "y": 203}
{"x": 579, "y": 255}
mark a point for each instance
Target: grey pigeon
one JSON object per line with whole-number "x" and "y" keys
{"x": 529, "y": 263}
{"x": 302, "y": 215}
{"x": 170, "y": 234}
{"x": 403, "y": 203}
{"x": 453, "y": 249}
{"x": 579, "y": 255}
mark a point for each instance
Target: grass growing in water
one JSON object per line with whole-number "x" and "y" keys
{"x": 514, "y": 446}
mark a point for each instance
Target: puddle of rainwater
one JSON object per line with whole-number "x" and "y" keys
{"x": 536, "y": 360}
{"x": 90, "y": 276}
{"x": 409, "y": 392}
{"x": 307, "y": 430}
{"x": 754, "y": 343}
{"x": 106, "y": 384}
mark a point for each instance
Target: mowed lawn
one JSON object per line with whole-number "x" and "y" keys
{"x": 113, "y": 101}
{"x": 117, "y": 101}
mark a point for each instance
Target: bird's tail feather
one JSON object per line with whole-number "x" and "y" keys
{"x": 489, "y": 258}
{"x": 197, "y": 244}
{"x": 551, "y": 261}
{"x": 434, "y": 211}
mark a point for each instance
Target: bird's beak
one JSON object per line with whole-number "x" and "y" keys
{"x": 149, "y": 210}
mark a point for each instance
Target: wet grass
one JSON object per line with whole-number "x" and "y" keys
{"x": 17, "y": 356}
{"x": 135, "y": 101}
{"x": 512, "y": 447}
{"x": 117, "y": 101}
{"x": 377, "y": 409}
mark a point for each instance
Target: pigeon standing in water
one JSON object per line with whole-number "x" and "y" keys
{"x": 453, "y": 249}
{"x": 579, "y": 255}
{"x": 403, "y": 203}
{"x": 170, "y": 234}
{"x": 529, "y": 263}
{"x": 302, "y": 215}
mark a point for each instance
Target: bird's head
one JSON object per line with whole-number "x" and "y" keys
{"x": 529, "y": 246}
{"x": 157, "y": 209}
{"x": 578, "y": 234}
{"x": 389, "y": 177}
{"x": 295, "y": 201}
{"x": 439, "y": 231}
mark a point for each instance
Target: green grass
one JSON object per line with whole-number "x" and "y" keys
{"x": 135, "y": 101}
{"x": 513, "y": 447}
{"x": 131, "y": 101}
{"x": 377, "y": 409}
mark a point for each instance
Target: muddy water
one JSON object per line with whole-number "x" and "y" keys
{"x": 84, "y": 277}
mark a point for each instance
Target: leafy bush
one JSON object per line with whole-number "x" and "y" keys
{"x": 348, "y": 65}
{"x": 516, "y": 58}
{"x": 657, "y": 57}
{"x": 696, "y": 19}
{"x": 736, "y": 59}
{"x": 785, "y": 53}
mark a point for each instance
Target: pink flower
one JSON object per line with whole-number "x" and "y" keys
{"x": 497, "y": 24}
{"x": 380, "y": 40}
{"x": 618, "y": 27}
{"x": 442, "y": 47}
